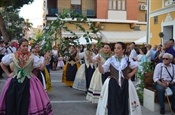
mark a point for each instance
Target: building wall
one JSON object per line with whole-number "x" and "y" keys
{"x": 141, "y": 17}
{"x": 132, "y": 9}
{"x": 102, "y": 8}
{"x": 155, "y": 29}
{"x": 63, "y": 4}
{"x": 73, "y": 27}
{"x": 161, "y": 11}
{"x": 155, "y": 5}
{"x": 88, "y": 5}
{"x": 108, "y": 27}
{"x": 116, "y": 27}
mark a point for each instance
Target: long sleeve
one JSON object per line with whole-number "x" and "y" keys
{"x": 156, "y": 75}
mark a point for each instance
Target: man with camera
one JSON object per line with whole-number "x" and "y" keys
{"x": 164, "y": 77}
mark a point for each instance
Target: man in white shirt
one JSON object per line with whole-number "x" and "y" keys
{"x": 132, "y": 55}
{"x": 9, "y": 48}
{"x": 164, "y": 76}
{"x": 133, "y": 52}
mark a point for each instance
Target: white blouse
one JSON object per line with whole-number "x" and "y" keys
{"x": 7, "y": 59}
{"x": 119, "y": 64}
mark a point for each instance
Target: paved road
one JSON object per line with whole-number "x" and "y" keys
{"x": 68, "y": 101}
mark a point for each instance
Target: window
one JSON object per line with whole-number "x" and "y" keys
{"x": 117, "y": 4}
{"x": 155, "y": 19}
{"x": 76, "y": 6}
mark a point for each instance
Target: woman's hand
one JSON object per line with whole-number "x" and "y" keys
{"x": 98, "y": 59}
{"x": 10, "y": 75}
{"x": 129, "y": 75}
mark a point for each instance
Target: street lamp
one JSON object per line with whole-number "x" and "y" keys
{"x": 161, "y": 35}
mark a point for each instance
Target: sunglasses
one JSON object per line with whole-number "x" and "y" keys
{"x": 165, "y": 58}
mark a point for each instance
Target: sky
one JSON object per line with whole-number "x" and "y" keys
{"x": 33, "y": 12}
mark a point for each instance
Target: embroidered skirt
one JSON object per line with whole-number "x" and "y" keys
{"x": 27, "y": 98}
{"x": 96, "y": 85}
{"x": 80, "y": 81}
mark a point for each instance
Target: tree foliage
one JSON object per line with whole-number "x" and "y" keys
{"x": 16, "y": 4}
{"x": 53, "y": 32}
{"x": 13, "y": 23}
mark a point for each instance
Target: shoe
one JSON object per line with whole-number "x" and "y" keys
{"x": 162, "y": 111}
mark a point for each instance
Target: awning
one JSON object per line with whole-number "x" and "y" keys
{"x": 123, "y": 36}
{"x": 83, "y": 41}
{"x": 141, "y": 40}
{"x": 79, "y": 34}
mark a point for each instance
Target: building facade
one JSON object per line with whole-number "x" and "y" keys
{"x": 162, "y": 21}
{"x": 117, "y": 19}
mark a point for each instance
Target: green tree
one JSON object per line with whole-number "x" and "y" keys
{"x": 53, "y": 31}
{"x": 12, "y": 22}
{"x": 15, "y": 4}
{"x": 26, "y": 26}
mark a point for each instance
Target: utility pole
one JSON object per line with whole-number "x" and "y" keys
{"x": 148, "y": 21}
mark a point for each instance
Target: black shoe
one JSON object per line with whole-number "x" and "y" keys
{"x": 162, "y": 111}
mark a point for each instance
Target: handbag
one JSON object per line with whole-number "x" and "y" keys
{"x": 168, "y": 92}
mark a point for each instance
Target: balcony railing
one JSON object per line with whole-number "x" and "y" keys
{"x": 89, "y": 13}
{"x": 52, "y": 12}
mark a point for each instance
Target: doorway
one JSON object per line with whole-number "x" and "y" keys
{"x": 168, "y": 32}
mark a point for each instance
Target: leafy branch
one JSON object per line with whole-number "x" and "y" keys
{"x": 54, "y": 30}
{"x": 147, "y": 67}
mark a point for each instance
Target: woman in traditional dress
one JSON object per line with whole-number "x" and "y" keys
{"x": 88, "y": 71}
{"x": 98, "y": 78}
{"x": 71, "y": 67}
{"x": 118, "y": 91}
{"x": 23, "y": 93}
{"x": 38, "y": 72}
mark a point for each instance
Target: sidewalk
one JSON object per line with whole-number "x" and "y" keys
{"x": 146, "y": 111}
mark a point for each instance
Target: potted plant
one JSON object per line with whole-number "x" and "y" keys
{"x": 145, "y": 77}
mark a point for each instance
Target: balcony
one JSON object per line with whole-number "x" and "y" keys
{"x": 89, "y": 13}
{"x": 117, "y": 14}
